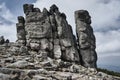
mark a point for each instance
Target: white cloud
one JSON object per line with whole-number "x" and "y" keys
{"x": 104, "y": 13}
{"x": 108, "y": 42}
{"x": 108, "y": 47}
{"x": 8, "y": 31}
{"x": 7, "y": 23}
{"x": 6, "y": 14}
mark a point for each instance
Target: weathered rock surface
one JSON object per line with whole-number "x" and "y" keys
{"x": 46, "y": 31}
{"x": 21, "y": 31}
{"x": 46, "y": 48}
{"x": 86, "y": 38}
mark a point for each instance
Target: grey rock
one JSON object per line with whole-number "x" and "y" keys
{"x": 57, "y": 52}
{"x": 28, "y": 8}
{"x": 24, "y": 50}
{"x": 75, "y": 68}
{"x": 21, "y": 64}
{"x": 67, "y": 43}
{"x": 4, "y": 77}
{"x": 9, "y": 60}
{"x": 45, "y": 12}
{"x": 35, "y": 46}
{"x": 21, "y": 31}
{"x": 36, "y": 10}
{"x": 7, "y": 41}
{"x": 53, "y": 9}
{"x": 2, "y": 40}
{"x": 21, "y": 19}
{"x": 40, "y": 31}
{"x": 42, "y": 55}
{"x": 86, "y": 38}
{"x": 14, "y": 49}
{"x": 45, "y": 44}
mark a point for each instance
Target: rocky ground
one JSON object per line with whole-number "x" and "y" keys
{"x": 25, "y": 65}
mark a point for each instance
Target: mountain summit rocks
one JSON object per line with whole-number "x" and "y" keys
{"x": 47, "y": 49}
{"x": 49, "y": 32}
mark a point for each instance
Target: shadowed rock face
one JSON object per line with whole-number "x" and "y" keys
{"x": 86, "y": 38}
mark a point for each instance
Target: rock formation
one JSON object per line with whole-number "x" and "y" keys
{"x": 2, "y": 40}
{"x": 46, "y": 48}
{"x": 46, "y": 33}
{"x": 86, "y": 38}
{"x": 21, "y": 31}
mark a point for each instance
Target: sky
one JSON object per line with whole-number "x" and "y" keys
{"x": 105, "y": 15}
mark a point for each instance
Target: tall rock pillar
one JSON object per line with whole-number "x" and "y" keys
{"x": 64, "y": 41}
{"x": 21, "y": 31}
{"x": 86, "y": 38}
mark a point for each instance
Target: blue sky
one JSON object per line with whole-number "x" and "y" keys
{"x": 105, "y": 21}
{"x": 15, "y": 6}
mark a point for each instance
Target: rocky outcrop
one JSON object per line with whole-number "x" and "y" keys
{"x": 86, "y": 38}
{"x": 46, "y": 33}
{"x": 46, "y": 48}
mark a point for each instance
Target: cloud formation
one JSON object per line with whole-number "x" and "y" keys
{"x": 108, "y": 41}
{"x": 7, "y": 23}
{"x": 6, "y": 14}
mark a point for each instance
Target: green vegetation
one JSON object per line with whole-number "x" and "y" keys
{"x": 109, "y": 72}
